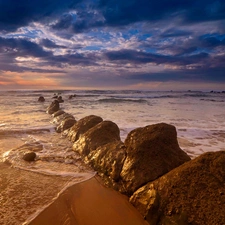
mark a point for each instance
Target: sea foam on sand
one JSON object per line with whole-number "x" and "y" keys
{"x": 28, "y": 197}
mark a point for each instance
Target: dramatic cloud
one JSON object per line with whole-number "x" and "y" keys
{"x": 119, "y": 43}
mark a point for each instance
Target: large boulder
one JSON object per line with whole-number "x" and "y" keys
{"x": 82, "y": 126}
{"x": 108, "y": 159}
{"x": 193, "y": 193}
{"x": 65, "y": 124}
{"x": 53, "y": 107}
{"x": 101, "y": 134}
{"x": 151, "y": 152}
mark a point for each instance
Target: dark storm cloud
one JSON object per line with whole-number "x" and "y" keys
{"x": 50, "y": 44}
{"x": 86, "y": 17}
{"x": 63, "y": 61}
{"x": 137, "y": 57}
{"x": 208, "y": 75}
{"x": 111, "y": 13}
{"x": 211, "y": 41}
{"x": 13, "y": 48}
{"x": 125, "y": 12}
{"x": 18, "y": 13}
{"x": 90, "y": 14}
{"x": 21, "y": 47}
{"x": 173, "y": 32}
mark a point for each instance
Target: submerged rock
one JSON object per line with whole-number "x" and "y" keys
{"x": 60, "y": 100}
{"x": 54, "y": 106}
{"x": 82, "y": 126}
{"x": 151, "y": 152}
{"x": 108, "y": 159}
{"x": 41, "y": 99}
{"x": 29, "y": 156}
{"x": 193, "y": 193}
{"x": 60, "y": 118}
{"x": 101, "y": 134}
{"x": 58, "y": 113}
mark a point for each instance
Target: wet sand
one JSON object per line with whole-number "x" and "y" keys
{"x": 28, "y": 197}
{"x": 23, "y": 193}
{"x": 89, "y": 202}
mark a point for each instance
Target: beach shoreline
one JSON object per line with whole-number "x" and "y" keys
{"x": 33, "y": 198}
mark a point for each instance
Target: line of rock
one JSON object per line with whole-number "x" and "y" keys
{"x": 161, "y": 180}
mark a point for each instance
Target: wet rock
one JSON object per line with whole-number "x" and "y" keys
{"x": 193, "y": 193}
{"x": 72, "y": 96}
{"x": 59, "y": 119}
{"x": 101, "y": 134}
{"x": 41, "y": 99}
{"x": 54, "y": 106}
{"x": 29, "y": 156}
{"x": 60, "y": 100}
{"x": 108, "y": 159}
{"x": 82, "y": 126}
{"x": 58, "y": 113}
{"x": 151, "y": 152}
{"x": 65, "y": 124}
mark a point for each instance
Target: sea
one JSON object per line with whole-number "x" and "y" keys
{"x": 199, "y": 118}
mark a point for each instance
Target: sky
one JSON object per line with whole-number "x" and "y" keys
{"x": 112, "y": 44}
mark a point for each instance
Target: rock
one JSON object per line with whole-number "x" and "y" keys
{"x": 60, "y": 100}
{"x": 72, "y": 96}
{"x": 193, "y": 193}
{"x": 82, "y": 126}
{"x": 54, "y": 106}
{"x": 58, "y": 119}
{"x": 151, "y": 152}
{"x": 108, "y": 159}
{"x": 29, "y": 156}
{"x": 58, "y": 113}
{"x": 101, "y": 134}
{"x": 41, "y": 99}
{"x": 65, "y": 124}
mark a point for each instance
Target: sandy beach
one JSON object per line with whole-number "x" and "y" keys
{"x": 32, "y": 198}
{"x": 89, "y": 202}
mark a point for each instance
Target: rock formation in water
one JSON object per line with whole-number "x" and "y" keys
{"x": 65, "y": 124}
{"x": 82, "y": 126}
{"x": 193, "y": 193}
{"x": 151, "y": 152}
{"x": 99, "y": 135}
{"x": 41, "y": 99}
{"x": 58, "y": 113}
{"x": 54, "y": 106}
{"x": 165, "y": 186}
{"x": 108, "y": 159}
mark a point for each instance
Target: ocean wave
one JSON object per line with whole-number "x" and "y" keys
{"x": 25, "y": 131}
{"x": 120, "y": 100}
{"x": 212, "y": 100}
{"x": 197, "y": 95}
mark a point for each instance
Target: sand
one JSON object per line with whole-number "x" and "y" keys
{"x": 89, "y": 203}
{"x": 37, "y": 199}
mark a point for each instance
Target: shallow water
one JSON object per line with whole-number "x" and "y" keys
{"x": 198, "y": 117}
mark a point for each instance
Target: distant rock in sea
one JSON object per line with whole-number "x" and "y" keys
{"x": 53, "y": 107}
{"x": 41, "y": 99}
